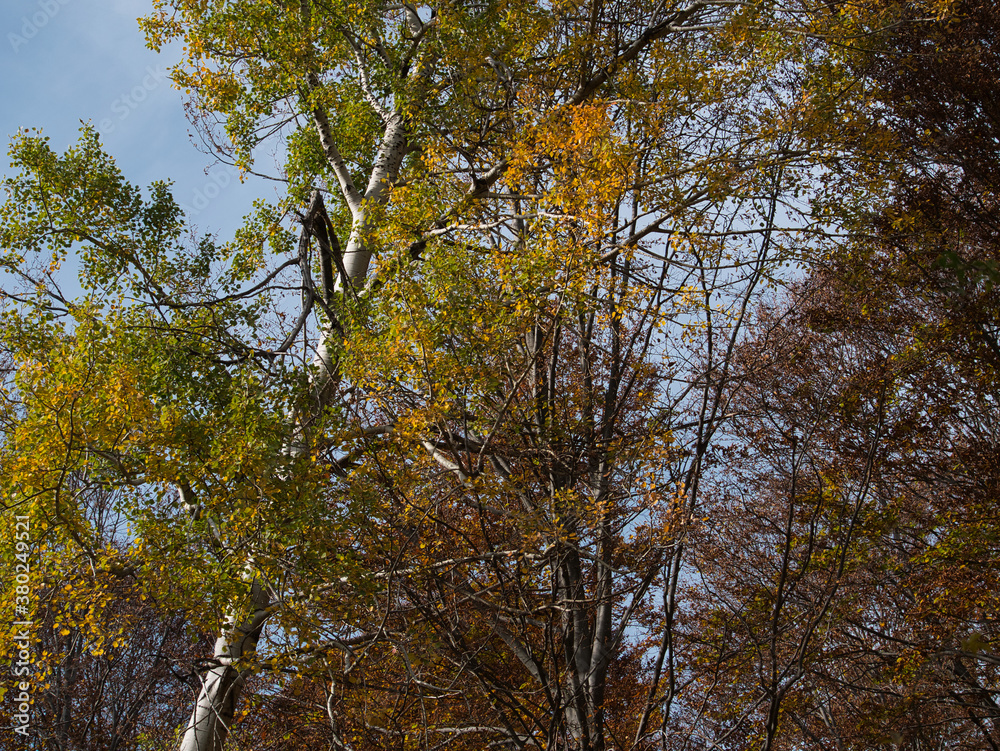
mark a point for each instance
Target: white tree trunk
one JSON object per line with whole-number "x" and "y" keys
{"x": 222, "y": 684}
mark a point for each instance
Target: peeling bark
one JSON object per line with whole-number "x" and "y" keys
{"x": 222, "y": 684}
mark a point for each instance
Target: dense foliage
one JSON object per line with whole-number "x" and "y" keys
{"x": 613, "y": 376}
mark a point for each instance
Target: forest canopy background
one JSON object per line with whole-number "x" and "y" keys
{"x": 604, "y": 376}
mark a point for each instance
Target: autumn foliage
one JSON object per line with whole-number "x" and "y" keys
{"x": 611, "y": 376}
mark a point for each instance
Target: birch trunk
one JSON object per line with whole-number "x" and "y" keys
{"x": 222, "y": 684}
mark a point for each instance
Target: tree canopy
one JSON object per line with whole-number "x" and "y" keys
{"x": 611, "y": 376}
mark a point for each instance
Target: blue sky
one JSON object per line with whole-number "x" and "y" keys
{"x": 64, "y": 61}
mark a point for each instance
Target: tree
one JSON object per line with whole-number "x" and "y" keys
{"x": 457, "y": 477}
{"x": 864, "y": 506}
{"x": 865, "y": 435}
{"x": 102, "y": 688}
